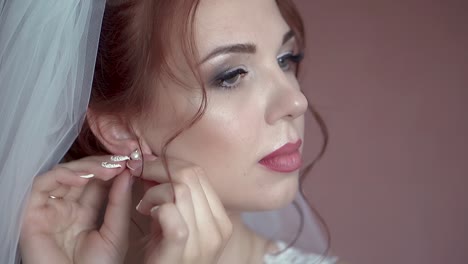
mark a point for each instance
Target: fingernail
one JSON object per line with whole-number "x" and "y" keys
{"x": 88, "y": 176}
{"x": 118, "y": 158}
{"x": 154, "y": 209}
{"x": 138, "y": 206}
{"x": 134, "y": 164}
{"x": 149, "y": 157}
{"x": 108, "y": 165}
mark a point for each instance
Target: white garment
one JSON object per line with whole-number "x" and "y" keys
{"x": 283, "y": 225}
{"x": 295, "y": 256}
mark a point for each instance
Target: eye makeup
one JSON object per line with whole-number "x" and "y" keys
{"x": 285, "y": 60}
{"x": 229, "y": 79}
{"x": 229, "y": 72}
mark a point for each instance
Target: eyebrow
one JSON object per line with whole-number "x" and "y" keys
{"x": 248, "y": 48}
{"x": 289, "y": 35}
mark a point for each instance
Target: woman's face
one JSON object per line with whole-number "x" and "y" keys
{"x": 255, "y": 104}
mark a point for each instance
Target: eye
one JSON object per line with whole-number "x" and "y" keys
{"x": 230, "y": 79}
{"x": 288, "y": 61}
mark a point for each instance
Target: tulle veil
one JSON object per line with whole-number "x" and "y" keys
{"x": 47, "y": 54}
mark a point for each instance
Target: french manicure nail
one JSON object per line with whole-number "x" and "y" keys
{"x": 88, "y": 176}
{"x": 150, "y": 157}
{"x": 118, "y": 158}
{"x": 108, "y": 165}
{"x": 154, "y": 208}
{"x": 138, "y": 206}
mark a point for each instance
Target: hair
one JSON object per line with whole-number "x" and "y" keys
{"x": 134, "y": 54}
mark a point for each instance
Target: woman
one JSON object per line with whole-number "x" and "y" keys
{"x": 195, "y": 113}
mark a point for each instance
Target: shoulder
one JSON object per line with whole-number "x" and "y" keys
{"x": 297, "y": 256}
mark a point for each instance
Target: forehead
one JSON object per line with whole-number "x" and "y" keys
{"x": 221, "y": 22}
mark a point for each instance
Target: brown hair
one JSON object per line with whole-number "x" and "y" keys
{"x": 133, "y": 53}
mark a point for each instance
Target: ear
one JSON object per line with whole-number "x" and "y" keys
{"x": 115, "y": 134}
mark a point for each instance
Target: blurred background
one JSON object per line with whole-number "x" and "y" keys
{"x": 390, "y": 78}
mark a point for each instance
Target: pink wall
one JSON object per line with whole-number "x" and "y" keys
{"x": 391, "y": 80}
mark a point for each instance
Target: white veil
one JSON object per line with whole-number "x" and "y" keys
{"x": 47, "y": 54}
{"x": 47, "y": 57}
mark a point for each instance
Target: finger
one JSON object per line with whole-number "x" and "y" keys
{"x": 217, "y": 208}
{"x": 94, "y": 195}
{"x": 203, "y": 212}
{"x": 205, "y": 199}
{"x": 152, "y": 170}
{"x": 164, "y": 193}
{"x": 214, "y": 231}
{"x": 135, "y": 165}
{"x": 175, "y": 233}
{"x": 74, "y": 193}
{"x": 94, "y": 165}
{"x": 155, "y": 196}
{"x": 61, "y": 192}
{"x": 117, "y": 216}
{"x": 58, "y": 179}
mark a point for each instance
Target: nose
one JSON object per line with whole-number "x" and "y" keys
{"x": 287, "y": 100}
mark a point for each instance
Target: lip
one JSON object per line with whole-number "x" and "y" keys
{"x": 285, "y": 159}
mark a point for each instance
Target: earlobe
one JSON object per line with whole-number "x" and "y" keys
{"x": 113, "y": 132}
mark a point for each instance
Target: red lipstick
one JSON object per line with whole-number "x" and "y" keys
{"x": 285, "y": 159}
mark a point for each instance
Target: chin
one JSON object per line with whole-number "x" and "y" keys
{"x": 273, "y": 196}
{"x": 281, "y": 195}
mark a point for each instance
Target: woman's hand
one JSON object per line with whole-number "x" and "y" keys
{"x": 192, "y": 230}
{"x": 60, "y": 224}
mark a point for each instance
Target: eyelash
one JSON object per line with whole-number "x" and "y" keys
{"x": 289, "y": 56}
{"x": 239, "y": 73}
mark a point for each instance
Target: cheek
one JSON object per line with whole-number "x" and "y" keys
{"x": 165, "y": 117}
{"x": 224, "y": 138}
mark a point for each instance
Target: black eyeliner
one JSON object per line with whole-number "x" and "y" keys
{"x": 226, "y": 75}
{"x": 297, "y": 57}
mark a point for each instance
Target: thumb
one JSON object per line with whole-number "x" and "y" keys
{"x": 117, "y": 217}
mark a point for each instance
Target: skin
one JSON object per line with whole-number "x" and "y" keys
{"x": 267, "y": 101}
{"x": 214, "y": 164}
